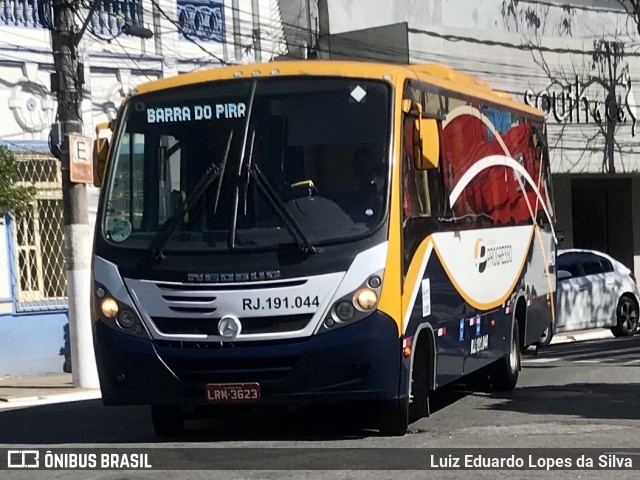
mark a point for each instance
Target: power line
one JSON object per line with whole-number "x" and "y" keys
{"x": 588, "y": 8}
{"x": 514, "y": 46}
{"x": 181, "y": 30}
{"x": 132, "y": 59}
{"x": 274, "y": 40}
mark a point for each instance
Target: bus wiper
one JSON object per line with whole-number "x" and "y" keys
{"x": 280, "y": 209}
{"x": 236, "y": 195}
{"x": 158, "y": 242}
{"x": 252, "y": 171}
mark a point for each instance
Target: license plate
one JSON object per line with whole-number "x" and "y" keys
{"x": 233, "y": 392}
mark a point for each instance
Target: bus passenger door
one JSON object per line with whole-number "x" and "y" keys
{"x": 422, "y": 200}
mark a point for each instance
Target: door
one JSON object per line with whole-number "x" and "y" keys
{"x": 604, "y": 293}
{"x": 573, "y": 299}
{"x": 601, "y": 220}
{"x": 596, "y": 277}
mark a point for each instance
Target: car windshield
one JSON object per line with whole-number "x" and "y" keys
{"x": 320, "y": 144}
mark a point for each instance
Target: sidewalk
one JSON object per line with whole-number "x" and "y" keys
{"x": 33, "y": 390}
{"x": 582, "y": 336}
{"x": 16, "y": 392}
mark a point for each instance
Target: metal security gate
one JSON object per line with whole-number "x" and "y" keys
{"x": 40, "y": 271}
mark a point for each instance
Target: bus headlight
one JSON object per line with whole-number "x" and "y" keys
{"x": 116, "y": 314}
{"x": 126, "y": 318}
{"x": 354, "y": 306}
{"x": 366, "y": 299}
{"x": 345, "y": 310}
{"x": 109, "y": 307}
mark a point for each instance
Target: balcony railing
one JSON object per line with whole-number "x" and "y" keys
{"x": 113, "y": 14}
{"x": 202, "y": 19}
{"x": 107, "y": 21}
{"x": 20, "y": 13}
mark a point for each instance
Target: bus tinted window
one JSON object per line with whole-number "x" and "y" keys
{"x": 494, "y": 167}
{"x": 321, "y": 145}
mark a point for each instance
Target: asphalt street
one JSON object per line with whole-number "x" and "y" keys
{"x": 578, "y": 395}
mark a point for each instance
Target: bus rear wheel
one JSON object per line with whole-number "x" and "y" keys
{"x": 503, "y": 374}
{"x": 168, "y": 420}
{"x": 394, "y": 418}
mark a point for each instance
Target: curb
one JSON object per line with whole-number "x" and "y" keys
{"x": 12, "y": 402}
{"x": 581, "y": 336}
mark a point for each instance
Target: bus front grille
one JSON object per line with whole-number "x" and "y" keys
{"x": 250, "y": 325}
{"x": 198, "y": 370}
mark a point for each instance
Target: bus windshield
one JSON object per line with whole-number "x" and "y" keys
{"x": 319, "y": 145}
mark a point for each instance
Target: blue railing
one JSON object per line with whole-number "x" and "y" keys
{"x": 20, "y": 13}
{"x": 107, "y": 20}
{"x": 113, "y": 14}
{"x": 202, "y": 19}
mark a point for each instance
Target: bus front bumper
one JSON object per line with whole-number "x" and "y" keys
{"x": 361, "y": 361}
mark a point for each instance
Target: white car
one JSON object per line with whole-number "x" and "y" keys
{"x": 593, "y": 291}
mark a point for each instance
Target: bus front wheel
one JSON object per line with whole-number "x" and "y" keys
{"x": 168, "y": 420}
{"x": 394, "y": 418}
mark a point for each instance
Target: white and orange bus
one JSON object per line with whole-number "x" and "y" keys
{"x": 301, "y": 232}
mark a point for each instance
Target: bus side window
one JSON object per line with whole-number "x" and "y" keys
{"x": 461, "y": 140}
{"x": 128, "y": 184}
{"x": 420, "y": 214}
{"x": 542, "y": 179}
{"x": 525, "y": 204}
{"x": 417, "y": 200}
{"x": 493, "y": 186}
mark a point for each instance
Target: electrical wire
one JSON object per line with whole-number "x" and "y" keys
{"x": 133, "y": 60}
{"x": 180, "y": 29}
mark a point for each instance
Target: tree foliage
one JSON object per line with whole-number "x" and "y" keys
{"x": 15, "y": 195}
{"x": 597, "y": 80}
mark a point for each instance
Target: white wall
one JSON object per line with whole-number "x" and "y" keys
{"x": 474, "y": 36}
{"x": 589, "y": 20}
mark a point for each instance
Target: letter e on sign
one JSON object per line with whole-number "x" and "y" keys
{"x": 80, "y": 159}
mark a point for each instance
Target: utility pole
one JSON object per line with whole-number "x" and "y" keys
{"x": 237, "y": 33}
{"x": 257, "y": 41}
{"x": 68, "y": 84}
{"x": 323, "y": 45}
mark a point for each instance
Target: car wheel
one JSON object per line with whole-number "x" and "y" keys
{"x": 546, "y": 337}
{"x": 627, "y": 317}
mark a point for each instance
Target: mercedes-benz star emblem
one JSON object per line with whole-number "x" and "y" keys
{"x": 229, "y": 327}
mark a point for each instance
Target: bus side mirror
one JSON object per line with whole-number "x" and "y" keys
{"x": 427, "y": 143}
{"x": 100, "y": 154}
{"x": 563, "y": 275}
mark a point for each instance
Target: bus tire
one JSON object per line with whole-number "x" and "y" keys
{"x": 503, "y": 374}
{"x": 168, "y": 420}
{"x": 420, "y": 370}
{"x": 394, "y": 418}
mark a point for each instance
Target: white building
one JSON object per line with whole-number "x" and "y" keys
{"x": 188, "y": 35}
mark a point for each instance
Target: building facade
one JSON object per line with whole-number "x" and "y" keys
{"x": 575, "y": 59}
{"x": 188, "y": 35}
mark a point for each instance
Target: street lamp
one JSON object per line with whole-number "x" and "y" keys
{"x": 136, "y": 31}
